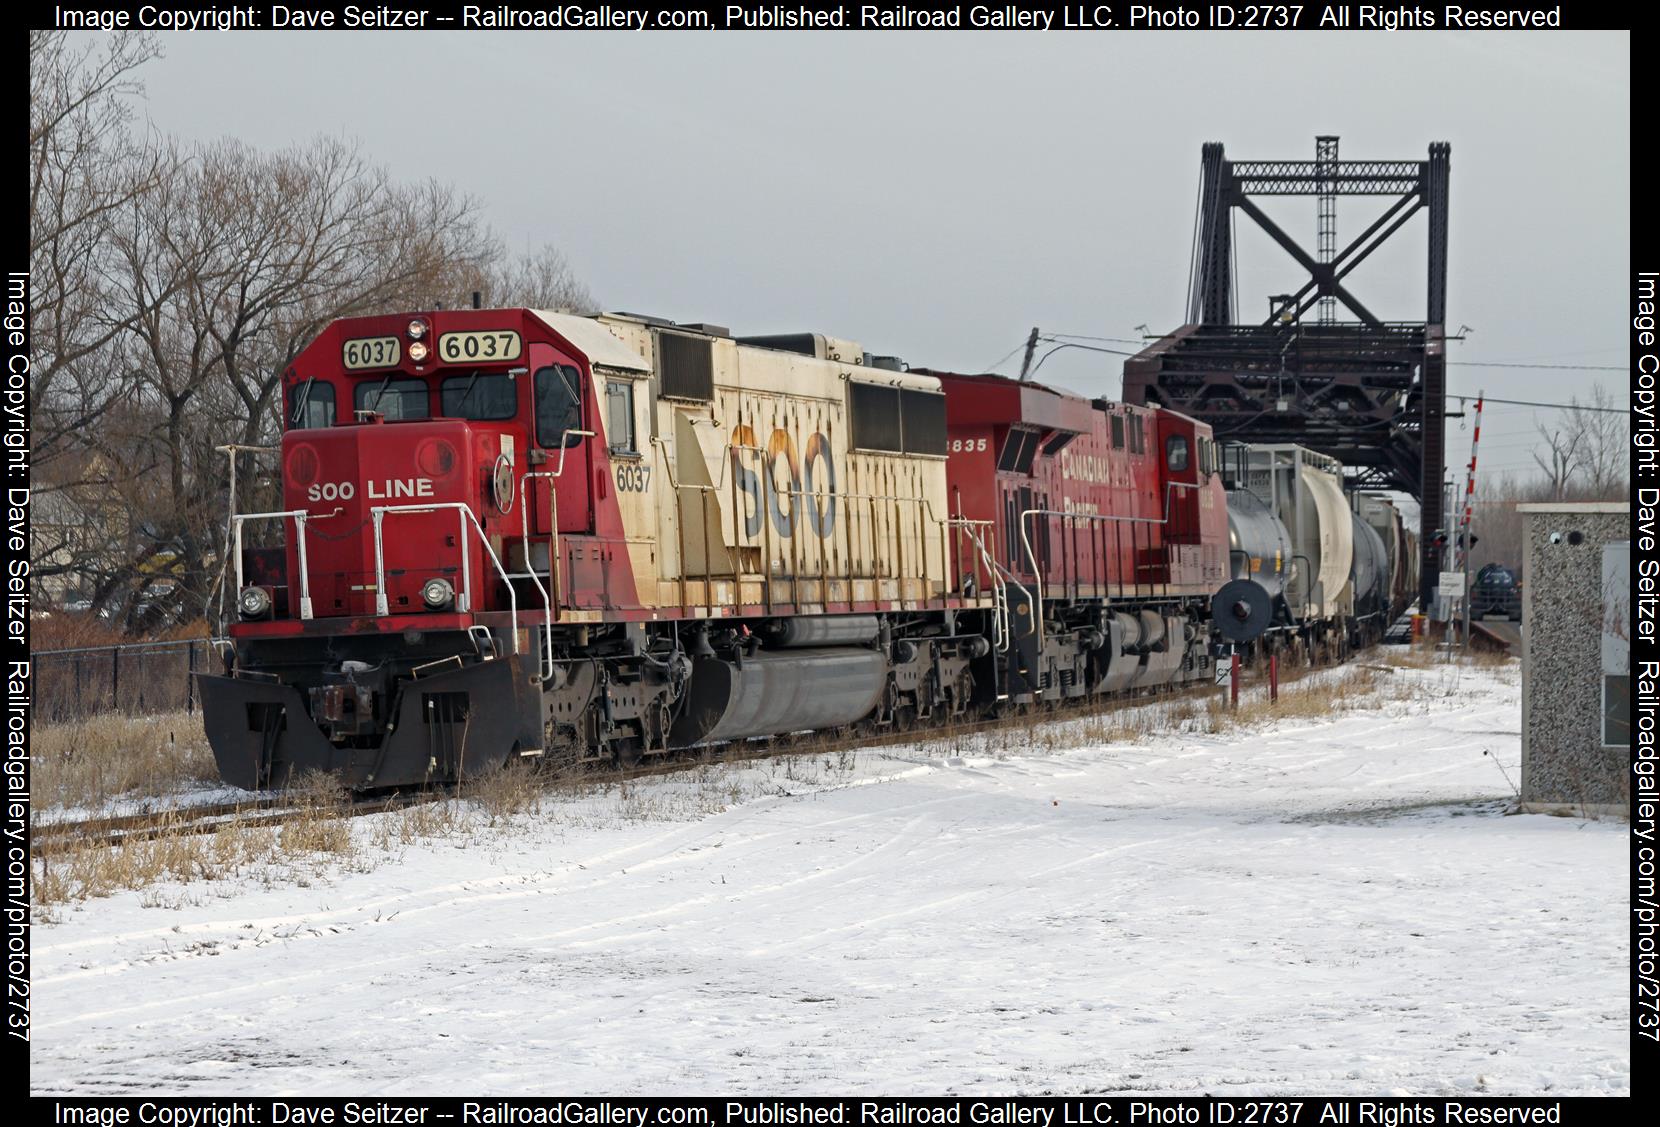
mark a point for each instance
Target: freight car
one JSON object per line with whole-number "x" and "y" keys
{"x": 1292, "y": 549}
{"x": 1400, "y": 546}
{"x": 516, "y": 533}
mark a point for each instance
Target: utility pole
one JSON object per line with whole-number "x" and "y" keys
{"x": 1031, "y": 347}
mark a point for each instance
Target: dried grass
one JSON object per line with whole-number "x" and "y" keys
{"x": 233, "y": 852}
{"x": 87, "y": 763}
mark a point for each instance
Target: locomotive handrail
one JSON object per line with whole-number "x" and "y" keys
{"x": 1104, "y": 518}
{"x": 231, "y": 450}
{"x": 542, "y": 672}
{"x": 299, "y": 516}
{"x": 999, "y": 589}
{"x": 680, "y": 525}
{"x": 463, "y": 597}
{"x": 549, "y": 602}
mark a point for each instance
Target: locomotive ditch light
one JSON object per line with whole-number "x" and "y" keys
{"x": 253, "y": 602}
{"x": 417, "y": 352}
{"x": 417, "y": 329}
{"x": 437, "y": 593}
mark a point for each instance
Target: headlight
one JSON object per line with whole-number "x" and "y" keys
{"x": 417, "y": 352}
{"x": 437, "y": 593}
{"x": 254, "y": 602}
{"x": 417, "y": 330}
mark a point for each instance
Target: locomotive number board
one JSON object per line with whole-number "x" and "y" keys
{"x": 371, "y": 352}
{"x": 459, "y": 348}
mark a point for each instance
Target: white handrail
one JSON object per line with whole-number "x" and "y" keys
{"x": 299, "y": 516}
{"x": 463, "y": 597}
{"x": 1031, "y": 557}
{"x": 999, "y": 589}
{"x": 545, "y": 672}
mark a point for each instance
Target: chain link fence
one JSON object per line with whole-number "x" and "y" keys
{"x": 138, "y": 679}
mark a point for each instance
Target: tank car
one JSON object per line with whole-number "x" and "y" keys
{"x": 1400, "y": 545}
{"x": 1369, "y": 581}
{"x": 1292, "y": 546}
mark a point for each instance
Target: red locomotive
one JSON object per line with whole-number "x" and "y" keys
{"x": 522, "y": 533}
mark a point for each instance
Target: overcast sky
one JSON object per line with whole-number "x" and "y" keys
{"x": 934, "y": 196}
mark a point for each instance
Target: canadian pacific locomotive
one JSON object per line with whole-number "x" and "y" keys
{"x": 514, "y": 533}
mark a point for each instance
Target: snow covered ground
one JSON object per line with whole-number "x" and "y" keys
{"x": 1330, "y": 905}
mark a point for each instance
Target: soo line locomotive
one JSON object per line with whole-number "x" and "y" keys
{"x": 513, "y": 533}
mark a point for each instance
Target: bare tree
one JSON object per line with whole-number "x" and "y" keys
{"x": 1604, "y": 445}
{"x": 173, "y": 288}
{"x": 84, "y": 167}
{"x": 1561, "y": 456}
{"x": 238, "y": 262}
{"x": 539, "y": 280}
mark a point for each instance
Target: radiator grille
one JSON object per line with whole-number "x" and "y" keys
{"x": 686, "y": 366}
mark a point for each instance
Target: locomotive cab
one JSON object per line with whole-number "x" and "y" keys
{"x": 417, "y": 451}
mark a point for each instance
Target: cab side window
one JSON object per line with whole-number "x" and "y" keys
{"x": 619, "y": 417}
{"x": 558, "y": 406}
{"x": 1175, "y": 453}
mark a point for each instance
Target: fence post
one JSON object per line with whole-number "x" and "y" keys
{"x": 190, "y": 681}
{"x": 115, "y": 677}
{"x": 1233, "y": 681}
{"x": 1274, "y": 677}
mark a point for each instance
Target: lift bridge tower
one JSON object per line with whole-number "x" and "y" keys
{"x": 1369, "y": 392}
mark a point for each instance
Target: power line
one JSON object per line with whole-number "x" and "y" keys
{"x": 1061, "y": 345}
{"x": 1555, "y": 367}
{"x": 1110, "y": 340}
{"x": 1557, "y": 406}
{"x": 1006, "y": 355}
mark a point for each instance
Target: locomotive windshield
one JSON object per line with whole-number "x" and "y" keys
{"x": 395, "y": 399}
{"x": 479, "y": 396}
{"x": 311, "y": 404}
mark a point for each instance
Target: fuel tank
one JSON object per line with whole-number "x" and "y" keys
{"x": 774, "y": 691}
{"x": 831, "y": 630}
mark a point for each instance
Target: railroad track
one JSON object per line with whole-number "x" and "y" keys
{"x": 54, "y": 837}
{"x": 275, "y": 810}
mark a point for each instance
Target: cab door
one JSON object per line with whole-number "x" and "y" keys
{"x": 1179, "y": 461}
{"x": 559, "y": 410}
